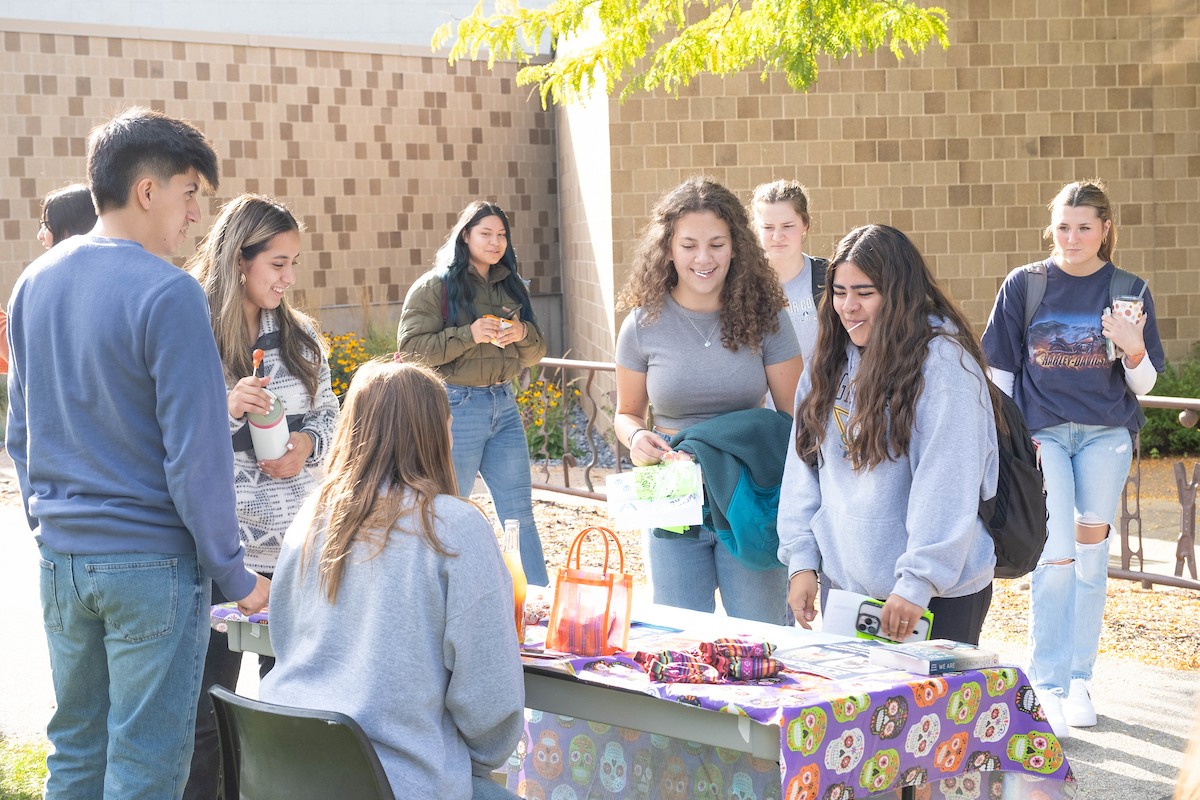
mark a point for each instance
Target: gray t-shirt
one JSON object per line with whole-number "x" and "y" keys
{"x": 688, "y": 382}
{"x": 802, "y": 310}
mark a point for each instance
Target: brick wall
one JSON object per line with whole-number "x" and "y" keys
{"x": 961, "y": 148}
{"x": 375, "y": 151}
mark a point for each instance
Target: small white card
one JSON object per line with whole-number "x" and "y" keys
{"x": 630, "y": 513}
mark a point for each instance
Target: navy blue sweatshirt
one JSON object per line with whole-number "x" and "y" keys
{"x": 117, "y": 420}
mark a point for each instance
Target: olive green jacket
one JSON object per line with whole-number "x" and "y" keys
{"x": 451, "y": 349}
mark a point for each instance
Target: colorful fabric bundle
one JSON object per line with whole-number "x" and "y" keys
{"x": 746, "y": 669}
{"x": 737, "y": 646}
{"x": 677, "y": 666}
{"x": 739, "y": 658}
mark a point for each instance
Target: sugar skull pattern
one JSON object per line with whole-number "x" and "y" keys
{"x": 583, "y": 759}
{"x": 847, "y": 706}
{"x": 928, "y": 691}
{"x": 709, "y": 783}
{"x": 547, "y": 755}
{"x": 983, "y": 761}
{"x": 613, "y": 767}
{"x": 563, "y": 792}
{"x": 879, "y": 771}
{"x": 741, "y": 787}
{"x": 843, "y": 754}
{"x": 806, "y": 785}
{"x": 643, "y": 775}
{"x": 960, "y": 787}
{"x": 923, "y": 736}
{"x": 964, "y": 703}
{"x": 839, "y": 791}
{"x": 1036, "y": 751}
{"x": 1027, "y": 701}
{"x": 992, "y": 724}
{"x": 531, "y": 790}
{"x": 999, "y": 680}
{"x": 806, "y": 731}
{"x": 888, "y": 720}
{"x": 518, "y": 757}
{"x": 913, "y": 776}
{"x": 949, "y": 754}
{"x": 674, "y": 783}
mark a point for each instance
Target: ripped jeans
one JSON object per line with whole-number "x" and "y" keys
{"x": 1085, "y": 467}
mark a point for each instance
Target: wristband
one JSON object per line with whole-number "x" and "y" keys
{"x": 633, "y": 436}
{"x": 1134, "y": 359}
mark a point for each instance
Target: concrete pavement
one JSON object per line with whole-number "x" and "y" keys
{"x": 1135, "y": 750}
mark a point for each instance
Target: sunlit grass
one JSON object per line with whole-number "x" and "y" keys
{"x": 22, "y": 768}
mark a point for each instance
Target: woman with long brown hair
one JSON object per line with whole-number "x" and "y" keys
{"x": 708, "y": 335}
{"x": 894, "y": 446}
{"x": 391, "y": 602}
{"x": 246, "y": 265}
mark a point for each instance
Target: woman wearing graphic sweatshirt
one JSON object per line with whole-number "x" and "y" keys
{"x": 895, "y": 445}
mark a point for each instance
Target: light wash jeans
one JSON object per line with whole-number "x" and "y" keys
{"x": 685, "y": 573}
{"x": 489, "y": 439}
{"x": 127, "y": 634}
{"x": 1085, "y": 467}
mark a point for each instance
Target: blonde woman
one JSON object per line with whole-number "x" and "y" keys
{"x": 246, "y": 265}
{"x": 391, "y": 602}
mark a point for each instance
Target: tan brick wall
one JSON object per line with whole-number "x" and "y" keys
{"x": 377, "y": 152}
{"x": 962, "y": 148}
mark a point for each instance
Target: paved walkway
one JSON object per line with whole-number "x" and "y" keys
{"x": 1135, "y": 750}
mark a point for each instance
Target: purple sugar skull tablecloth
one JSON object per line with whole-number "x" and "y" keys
{"x": 853, "y": 731}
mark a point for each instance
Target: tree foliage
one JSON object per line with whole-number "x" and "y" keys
{"x": 648, "y": 44}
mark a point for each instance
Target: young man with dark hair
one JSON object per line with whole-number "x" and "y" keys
{"x": 118, "y": 428}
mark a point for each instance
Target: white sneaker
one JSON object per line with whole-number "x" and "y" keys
{"x": 1052, "y": 707}
{"x": 1077, "y": 707}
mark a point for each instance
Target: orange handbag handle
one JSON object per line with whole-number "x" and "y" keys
{"x": 577, "y": 547}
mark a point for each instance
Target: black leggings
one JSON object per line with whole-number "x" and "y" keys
{"x": 960, "y": 618}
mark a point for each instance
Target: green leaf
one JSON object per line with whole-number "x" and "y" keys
{"x": 643, "y": 45}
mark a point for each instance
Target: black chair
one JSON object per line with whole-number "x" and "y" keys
{"x": 270, "y": 751}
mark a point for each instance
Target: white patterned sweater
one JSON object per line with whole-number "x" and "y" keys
{"x": 266, "y": 507}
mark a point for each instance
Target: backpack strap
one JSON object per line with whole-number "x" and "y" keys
{"x": 819, "y": 267}
{"x": 1035, "y": 290}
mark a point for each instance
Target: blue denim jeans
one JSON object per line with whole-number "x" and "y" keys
{"x": 1085, "y": 467}
{"x": 127, "y": 634}
{"x": 489, "y": 439}
{"x": 685, "y": 573}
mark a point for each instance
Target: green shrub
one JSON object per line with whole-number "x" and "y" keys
{"x": 544, "y": 407}
{"x": 1163, "y": 431}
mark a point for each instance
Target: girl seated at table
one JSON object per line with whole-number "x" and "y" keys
{"x": 391, "y": 602}
{"x": 894, "y": 444}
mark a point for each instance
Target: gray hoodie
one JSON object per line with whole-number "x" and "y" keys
{"x": 420, "y": 649}
{"x": 909, "y": 526}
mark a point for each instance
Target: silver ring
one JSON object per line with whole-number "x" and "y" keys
{"x": 903, "y": 622}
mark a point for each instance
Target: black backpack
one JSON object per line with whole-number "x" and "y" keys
{"x": 1016, "y": 517}
{"x": 819, "y": 267}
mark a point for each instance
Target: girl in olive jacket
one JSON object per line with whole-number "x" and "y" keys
{"x": 452, "y": 321}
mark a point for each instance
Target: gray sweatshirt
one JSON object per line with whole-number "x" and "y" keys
{"x": 420, "y": 649}
{"x": 909, "y": 526}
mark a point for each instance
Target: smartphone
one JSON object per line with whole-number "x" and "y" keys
{"x": 869, "y": 623}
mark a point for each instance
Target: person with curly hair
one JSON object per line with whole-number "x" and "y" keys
{"x": 708, "y": 335}
{"x": 894, "y": 446}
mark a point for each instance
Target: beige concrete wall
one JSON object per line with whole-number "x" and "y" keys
{"x": 960, "y": 148}
{"x": 376, "y": 148}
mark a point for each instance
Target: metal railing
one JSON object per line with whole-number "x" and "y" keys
{"x": 1185, "y": 545}
{"x": 1131, "y": 516}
